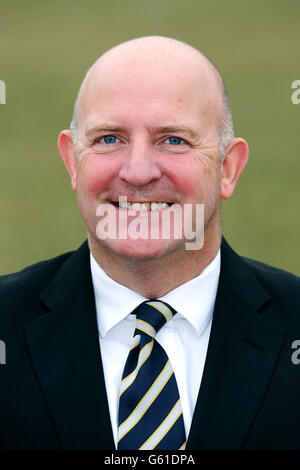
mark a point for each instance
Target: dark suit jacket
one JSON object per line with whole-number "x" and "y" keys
{"x": 52, "y": 391}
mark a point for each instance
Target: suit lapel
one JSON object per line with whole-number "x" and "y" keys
{"x": 242, "y": 353}
{"x": 64, "y": 347}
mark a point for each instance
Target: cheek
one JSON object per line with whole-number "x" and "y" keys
{"x": 93, "y": 176}
{"x": 182, "y": 174}
{"x": 196, "y": 179}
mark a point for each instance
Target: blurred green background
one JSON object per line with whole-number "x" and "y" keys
{"x": 46, "y": 48}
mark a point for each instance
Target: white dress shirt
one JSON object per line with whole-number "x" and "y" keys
{"x": 184, "y": 338}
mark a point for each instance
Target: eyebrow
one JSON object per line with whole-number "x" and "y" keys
{"x": 170, "y": 129}
{"x": 166, "y": 129}
{"x": 103, "y": 127}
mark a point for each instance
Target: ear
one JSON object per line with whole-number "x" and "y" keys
{"x": 233, "y": 165}
{"x": 66, "y": 149}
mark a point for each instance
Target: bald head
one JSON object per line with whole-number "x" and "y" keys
{"x": 169, "y": 63}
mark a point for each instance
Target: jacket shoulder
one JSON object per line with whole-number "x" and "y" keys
{"x": 277, "y": 288}
{"x": 34, "y": 275}
{"x": 279, "y": 283}
{"x": 20, "y": 290}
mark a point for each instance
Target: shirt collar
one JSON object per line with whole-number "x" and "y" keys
{"x": 194, "y": 300}
{"x": 114, "y": 302}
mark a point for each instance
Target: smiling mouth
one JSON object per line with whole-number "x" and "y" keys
{"x": 142, "y": 206}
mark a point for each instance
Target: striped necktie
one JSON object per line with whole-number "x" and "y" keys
{"x": 150, "y": 413}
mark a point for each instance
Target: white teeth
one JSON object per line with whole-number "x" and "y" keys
{"x": 145, "y": 206}
{"x": 136, "y": 206}
{"x": 123, "y": 205}
{"x": 156, "y": 206}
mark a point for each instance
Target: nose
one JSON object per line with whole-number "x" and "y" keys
{"x": 140, "y": 166}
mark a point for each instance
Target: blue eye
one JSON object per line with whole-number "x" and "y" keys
{"x": 175, "y": 140}
{"x": 109, "y": 139}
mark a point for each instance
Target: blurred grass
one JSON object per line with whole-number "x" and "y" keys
{"x": 46, "y": 49}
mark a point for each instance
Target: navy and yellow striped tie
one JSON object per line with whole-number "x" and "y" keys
{"x": 150, "y": 413}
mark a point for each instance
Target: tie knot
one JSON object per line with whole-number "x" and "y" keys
{"x": 151, "y": 315}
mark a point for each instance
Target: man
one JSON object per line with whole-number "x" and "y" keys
{"x": 151, "y": 137}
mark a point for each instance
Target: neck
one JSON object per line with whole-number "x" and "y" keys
{"x": 156, "y": 277}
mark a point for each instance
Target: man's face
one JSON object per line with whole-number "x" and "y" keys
{"x": 152, "y": 137}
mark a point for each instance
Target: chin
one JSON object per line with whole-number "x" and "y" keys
{"x": 143, "y": 250}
